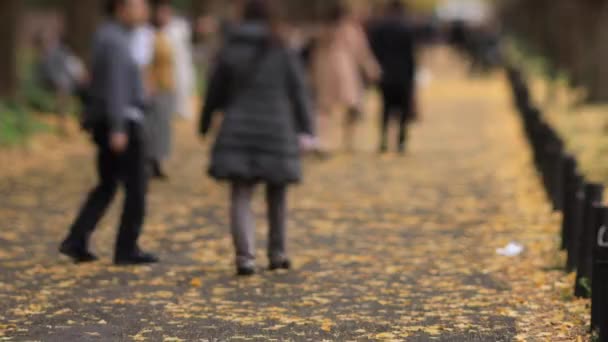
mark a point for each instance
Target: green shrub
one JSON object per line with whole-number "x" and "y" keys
{"x": 16, "y": 124}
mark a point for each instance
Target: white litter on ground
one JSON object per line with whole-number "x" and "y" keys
{"x": 511, "y": 250}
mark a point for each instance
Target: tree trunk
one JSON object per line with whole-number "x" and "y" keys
{"x": 202, "y": 7}
{"x": 82, "y": 17}
{"x": 570, "y": 35}
{"x": 10, "y": 11}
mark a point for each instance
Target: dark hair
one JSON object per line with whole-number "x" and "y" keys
{"x": 395, "y": 7}
{"x": 267, "y": 13}
{"x": 336, "y": 13}
{"x": 155, "y": 5}
{"x": 259, "y": 10}
{"x": 111, "y": 6}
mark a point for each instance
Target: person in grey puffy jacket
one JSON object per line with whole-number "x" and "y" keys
{"x": 259, "y": 85}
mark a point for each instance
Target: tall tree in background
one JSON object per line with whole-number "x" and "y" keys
{"x": 201, "y": 7}
{"x": 569, "y": 35}
{"x": 211, "y": 7}
{"x": 10, "y": 11}
{"x": 82, "y": 17}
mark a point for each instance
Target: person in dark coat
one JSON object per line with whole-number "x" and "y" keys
{"x": 392, "y": 41}
{"x": 114, "y": 117}
{"x": 259, "y": 85}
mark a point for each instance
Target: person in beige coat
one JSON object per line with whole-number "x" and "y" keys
{"x": 342, "y": 63}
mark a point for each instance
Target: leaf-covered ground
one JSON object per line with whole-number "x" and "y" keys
{"x": 385, "y": 247}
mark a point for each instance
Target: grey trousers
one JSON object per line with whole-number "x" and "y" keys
{"x": 243, "y": 223}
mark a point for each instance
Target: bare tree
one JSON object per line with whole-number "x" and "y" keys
{"x": 570, "y": 35}
{"x": 10, "y": 11}
{"x": 200, "y": 7}
{"x": 82, "y": 17}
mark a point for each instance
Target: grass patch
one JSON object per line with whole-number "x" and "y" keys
{"x": 17, "y": 124}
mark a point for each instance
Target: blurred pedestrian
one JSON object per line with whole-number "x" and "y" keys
{"x": 161, "y": 85}
{"x": 59, "y": 72}
{"x": 342, "y": 64}
{"x": 179, "y": 33}
{"x": 114, "y": 116}
{"x": 142, "y": 44}
{"x": 206, "y": 42}
{"x": 392, "y": 40}
{"x": 259, "y": 84}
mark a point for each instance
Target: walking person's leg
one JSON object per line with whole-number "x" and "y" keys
{"x": 167, "y": 108}
{"x": 98, "y": 200}
{"x": 276, "y": 199}
{"x": 353, "y": 115}
{"x": 243, "y": 227}
{"x": 386, "y": 114}
{"x": 62, "y": 102}
{"x": 158, "y": 133}
{"x": 324, "y": 129}
{"x": 403, "y": 130}
{"x": 406, "y": 116}
{"x": 135, "y": 179}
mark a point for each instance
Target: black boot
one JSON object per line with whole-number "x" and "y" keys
{"x": 157, "y": 171}
{"x": 136, "y": 257}
{"x": 403, "y": 139}
{"x": 383, "y": 148}
{"x": 280, "y": 265}
{"x": 245, "y": 271}
{"x": 78, "y": 253}
{"x": 401, "y": 149}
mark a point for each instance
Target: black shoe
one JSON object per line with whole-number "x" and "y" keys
{"x": 401, "y": 149}
{"x": 245, "y": 271}
{"x": 322, "y": 154}
{"x": 136, "y": 258}
{"x": 280, "y": 265}
{"x": 383, "y": 149}
{"x": 77, "y": 253}
{"x": 160, "y": 175}
{"x": 157, "y": 172}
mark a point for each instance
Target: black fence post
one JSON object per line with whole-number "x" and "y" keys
{"x": 569, "y": 187}
{"x": 599, "y": 286}
{"x": 555, "y": 157}
{"x": 587, "y": 238}
{"x": 521, "y": 94}
{"x": 558, "y": 175}
{"x": 576, "y": 224}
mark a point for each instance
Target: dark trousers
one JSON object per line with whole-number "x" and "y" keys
{"x": 243, "y": 225}
{"x": 127, "y": 169}
{"x": 397, "y": 99}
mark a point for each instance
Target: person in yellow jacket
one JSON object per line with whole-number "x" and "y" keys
{"x": 161, "y": 88}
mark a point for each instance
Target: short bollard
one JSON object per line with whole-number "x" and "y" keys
{"x": 594, "y": 195}
{"x": 576, "y": 224}
{"x": 520, "y": 90}
{"x": 599, "y": 286}
{"x": 569, "y": 187}
{"x": 555, "y": 171}
{"x": 531, "y": 118}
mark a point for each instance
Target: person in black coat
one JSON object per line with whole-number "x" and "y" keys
{"x": 393, "y": 42}
{"x": 114, "y": 118}
{"x": 259, "y": 85}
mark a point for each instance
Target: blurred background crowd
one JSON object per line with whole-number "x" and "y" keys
{"x": 46, "y": 51}
{"x": 282, "y": 73}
